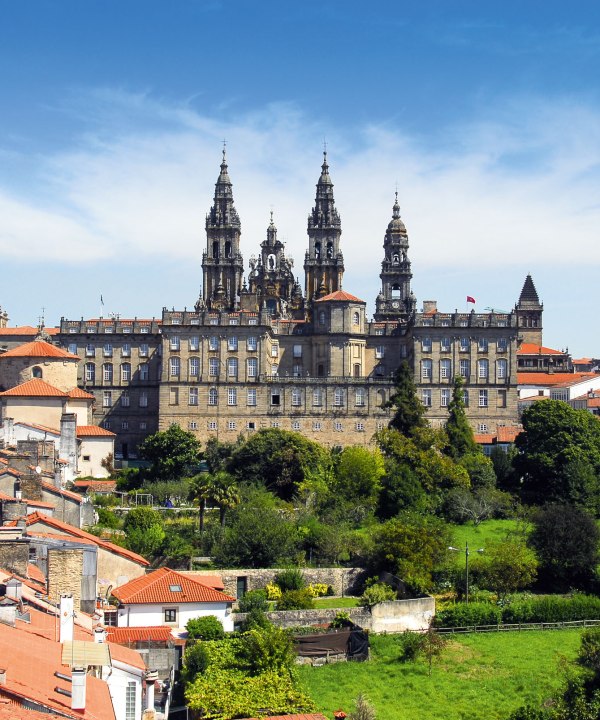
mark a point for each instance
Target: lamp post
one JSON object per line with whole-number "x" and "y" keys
{"x": 454, "y": 549}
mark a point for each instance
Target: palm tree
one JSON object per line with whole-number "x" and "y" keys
{"x": 224, "y": 493}
{"x": 201, "y": 487}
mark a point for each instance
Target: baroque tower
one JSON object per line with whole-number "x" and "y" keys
{"x": 324, "y": 262}
{"x": 395, "y": 300}
{"x": 529, "y": 311}
{"x": 222, "y": 262}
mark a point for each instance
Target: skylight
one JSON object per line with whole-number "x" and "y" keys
{"x": 175, "y": 588}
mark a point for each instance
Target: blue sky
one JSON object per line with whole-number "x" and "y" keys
{"x": 486, "y": 116}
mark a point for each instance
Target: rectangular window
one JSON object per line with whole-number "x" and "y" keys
{"x": 426, "y": 397}
{"x": 213, "y": 343}
{"x": 482, "y": 345}
{"x": 251, "y": 343}
{"x": 144, "y": 330}
{"x": 426, "y": 367}
{"x": 483, "y": 398}
{"x": 144, "y": 350}
{"x": 465, "y": 368}
{"x": 108, "y": 372}
{"x": 170, "y": 615}
{"x": 143, "y": 425}
{"x": 297, "y": 371}
{"x": 445, "y": 344}
{"x": 213, "y": 366}
{"x": 108, "y": 350}
{"x": 295, "y": 425}
{"x": 232, "y": 343}
{"x": 379, "y": 352}
{"x": 174, "y": 366}
{"x": 444, "y": 397}
{"x": 275, "y": 397}
{"x": 297, "y": 351}
{"x": 194, "y": 343}
{"x": 445, "y": 369}
{"x": 482, "y": 428}
{"x": 193, "y": 396}
{"x": 194, "y": 367}
{"x": 90, "y": 372}
{"x": 125, "y": 372}
{"x": 296, "y": 397}
{"x": 125, "y": 425}
{"x": 212, "y": 425}
{"x": 213, "y": 396}
{"x": 426, "y": 344}
{"x": 234, "y": 321}
{"x": 501, "y": 367}
{"x": 317, "y": 426}
{"x": 231, "y": 425}
{"x": 501, "y": 345}
{"x": 338, "y": 427}
{"x": 338, "y": 397}
{"x": 125, "y": 350}
{"x": 193, "y": 425}
{"x": 130, "y": 700}
{"x": 124, "y": 399}
{"x": 232, "y": 396}
{"x": 317, "y": 397}
{"x": 274, "y": 369}
{"x": 274, "y": 424}
{"x": 90, "y": 350}
{"x": 144, "y": 371}
{"x": 232, "y": 367}
{"x": 378, "y": 331}
{"x": 501, "y": 399}
{"x": 250, "y": 425}
{"x": 275, "y": 350}
{"x": 253, "y": 321}
{"x": 359, "y": 397}
{"x": 465, "y": 398}
{"x": 73, "y": 348}
{"x": 482, "y": 368}
{"x": 251, "y": 397}
{"x": 173, "y": 396}
{"x": 464, "y": 344}
{"x": 360, "y": 427}
{"x": 107, "y": 398}
{"x": 143, "y": 399}
{"x": 213, "y": 320}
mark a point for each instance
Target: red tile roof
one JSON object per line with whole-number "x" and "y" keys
{"x": 29, "y": 503}
{"x": 508, "y": 434}
{"x": 11, "y": 711}
{"x": 213, "y": 581}
{"x": 533, "y": 349}
{"x": 78, "y": 393}
{"x": 63, "y": 527}
{"x": 546, "y": 379}
{"x": 127, "y": 635}
{"x": 340, "y": 295}
{"x": 96, "y": 485}
{"x": 34, "y": 388}
{"x": 156, "y": 588}
{"x": 43, "y": 428}
{"x": 39, "y": 349}
{"x": 93, "y": 431}
{"x": 32, "y": 662}
{"x": 49, "y": 487}
{"x": 27, "y": 330}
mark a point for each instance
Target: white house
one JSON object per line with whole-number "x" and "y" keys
{"x": 555, "y": 385}
{"x": 167, "y": 597}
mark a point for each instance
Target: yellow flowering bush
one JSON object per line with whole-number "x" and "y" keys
{"x": 317, "y": 590}
{"x": 273, "y": 591}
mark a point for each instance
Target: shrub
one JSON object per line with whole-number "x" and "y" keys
{"x": 195, "y": 661}
{"x": 256, "y": 620}
{"x": 411, "y": 644}
{"x": 254, "y": 600}
{"x": 376, "y": 593}
{"x": 108, "y": 519}
{"x": 267, "y": 649}
{"x": 318, "y": 589}
{"x": 552, "y": 609}
{"x": 295, "y": 600}
{"x": 273, "y": 591}
{"x": 208, "y": 627}
{"x": 290, "y": 579}
{"x": 462, "y": 615}
{"x": 341, "y": 619}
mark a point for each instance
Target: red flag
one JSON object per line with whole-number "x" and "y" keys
{"x": 470, "y": 299}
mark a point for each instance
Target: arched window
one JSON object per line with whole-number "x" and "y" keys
{"x": 501, "y": 367}
{"x": 320, "y": 370}
{"x": 356, "y": 318}
{"x": 296, "y": 397}
{"x": 426, "y": 368}
{"x": 228, "y": 249}
{"x": 322, "y": 317}
{"x": 359, "y": 397}
{"x": 445, "y": 369}
{"x": 483, "y": 368}
{"x": 356, "y": 370}
{"x": 252, "y": 364}
{"x": 317, "y": 397}
{"x": 396, "y": 291}
{"x": 213, "y": 397}
{"x": 36, "y": 372}
{"x": 381, "y": 399}
{"x": 318, "y": 250}
{"x": 125, "y": 372}
{"x": 329, "y": 249}
{"x": 338, "y": 397}
{"x": 216, "y": 249}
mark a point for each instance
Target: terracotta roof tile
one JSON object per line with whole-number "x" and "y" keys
{"x": 43, "y": 428}
{"x": 93, "y": 431}
{"x": 27, "y": 330}
{"x": 39, "y": 349}
{"x": 533, "y": 349}
{"x": 34, "y": 388}
{"x": 127, "y": 635}
{"x": 213, "y": 581}
{"x": 12, "y": 711}
{"x": 546, "y": 379}
{"x": 96, "y": 485}
{"x": 156, "y": 587}
{"x": 78, "y": 393}
{"x": 49, "y": 487}
{"x": 340, "y": 295}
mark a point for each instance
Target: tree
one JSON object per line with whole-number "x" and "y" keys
{"x": 171, "y": 452}
{"x": 411, "y": 546}
{"x": 565, "y": 539}
{"x": 432, "y": 646}
{"x": 460, "y": 435}
{"x": 409, "y": 411}
{"x": 358, "y": 472}
{"x": 559, "y": 455}
{"x": 278, "y": 460}
{"x": 267, "y": 649}
{"x": 363, "y": 710}
{"x": 463, "y": 505}
{"x": 208, "y": 627}
{"x": 507, "y": 565}
{"x": 225, "y": 493}
{"x": 144, "y": 530}
{"x": 201, "y": 487}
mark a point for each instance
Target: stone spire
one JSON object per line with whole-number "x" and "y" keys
{"x": 324, "y": 262}
{"x": 529, "y": 311}
{"x": 395, "y": 300}
{"x": 222, "y": 262}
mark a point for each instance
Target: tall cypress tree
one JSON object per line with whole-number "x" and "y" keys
{"x": 458, "y": 429}
{"x": 409, "y": 410}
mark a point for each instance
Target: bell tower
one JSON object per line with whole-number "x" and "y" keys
{"x": 395, "y": 300}
{"x": 222, "y": 262}
{"x": 323, "y": 262}
{"x": 529, "y": 311}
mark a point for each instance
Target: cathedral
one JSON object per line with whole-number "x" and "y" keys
{"x": 258, "y": 350}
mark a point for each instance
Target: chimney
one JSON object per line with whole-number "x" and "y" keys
{"x": 66, "y": 622}
{"x": 2, "y": 676}
{"x": 68, "y": 440}
{"x": 99, "y": 635}
{"x": 8, "y": 615}
{"x": 429, "y": 306}
{"x": 151, "y": 678}
{"x": 14, "y": 589}
{"x": 78, "y": 688}
{"x": 18, "y": 493}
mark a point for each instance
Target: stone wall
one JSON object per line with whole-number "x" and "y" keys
{"x": 395, "y": 616}
{"x": 344, "y": 581}
{"x": 14, "y": 556}
{"x": 65, "y": 570}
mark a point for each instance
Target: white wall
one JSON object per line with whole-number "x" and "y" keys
{"x": 574, "y": 390}
{"x": 117, "y": 679}
{"x": 153, "y": 614}
{"x": 97, "y": 449}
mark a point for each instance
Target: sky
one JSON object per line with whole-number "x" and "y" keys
{"x": 485, "y": 116}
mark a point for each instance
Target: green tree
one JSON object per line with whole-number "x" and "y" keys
{"x": 225, "y": 493}
{"x": 409, "y": 411}
{"x": 171, "y": 452}
{"x": 432, "y": 646}
{"x": 278, "y": 460}
{"x": 411, "y": 546}
{"x": 506, "y": 566}
{"x": 358, "y": 473}
{"x": 144, "y": 530}
{"x": 195, "y": 662}
{"x": 565, "y": 539}
{"x": 268, "y": 649}
{"x": 208, "y": 627}
{"x": 460, "y": 435}
{"x": 200, "y": 491}
{"x": 559, "y": 455}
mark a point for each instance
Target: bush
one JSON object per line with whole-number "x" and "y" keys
{"x": 256, "y": 620}
{"x": 254, "y": 600}
{"x": 195, "y": 661}
{"x": 341, "y": 619}
{"x": 273, "y": 591}
{"x": 290, "y": 579}
{"x": 208, "y": 627}
{"x": 267, "y": 649}
{"x": 108, "y": 519}
{"x": 552, "y": 609}
{"x": 462, "y": 615}
{"x": 295, "y": 600}
{"x": 411, "y": 645}
{"x": 376, "y": 593}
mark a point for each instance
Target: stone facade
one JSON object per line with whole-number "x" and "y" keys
{"x": 14, "y": 556}
{"x": 262, "y": 354}
{"x": 65, "y": 570}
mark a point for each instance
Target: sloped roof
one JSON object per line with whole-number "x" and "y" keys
{"x": 34, "y": 388}
{"x": 27, "y": 330}
{"x": 533, "y": 349}
{"x": 126, "y": 635}
{"x": 157, "y": 587}
{"x": 213, "y": 581}
{"x": 555, "y": 379}
{"x": 67, "y": 529}
{"x": 42, "y": 428}
{"x": 96, "y": 485}
{"x": 27, "y": 651}
{"x": 93, "y": 431}
{"x": 340, "y": 295}
{"x": 49, "y": 487}
{"x": 78, "y": 393}
{"x": 529, "y": 293}
{"x": 39, "y": 349}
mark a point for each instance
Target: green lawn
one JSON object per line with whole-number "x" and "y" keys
{"x": 484, "y": 676}
{"x": 480, "y": 535}
{"x": 336, "y": 602}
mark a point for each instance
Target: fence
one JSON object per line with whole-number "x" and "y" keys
{"x": 519, "y": 627}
